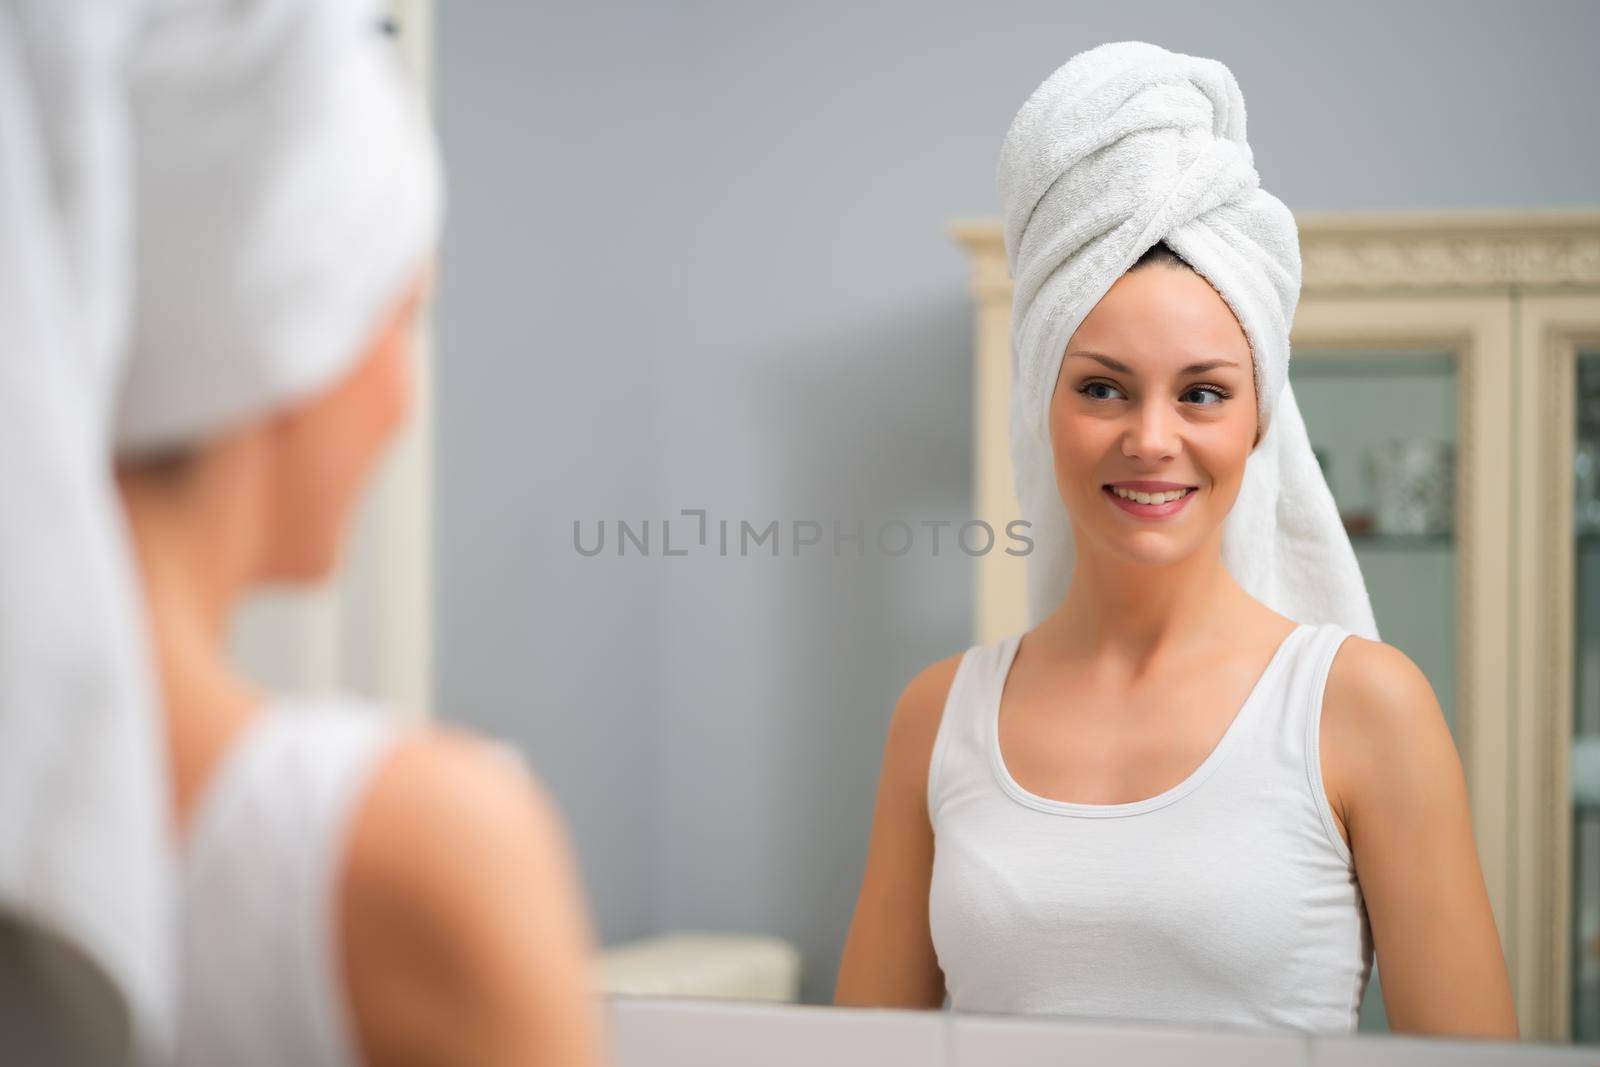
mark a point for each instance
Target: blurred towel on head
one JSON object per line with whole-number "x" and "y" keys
{"x": 210, "y": 207}
{"x": 289, "y": 190}
{"x": 1126, "y": 145}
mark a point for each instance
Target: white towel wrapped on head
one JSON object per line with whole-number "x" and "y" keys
{"x": 1127, "y": 145}
{"x": 290, "y": 189}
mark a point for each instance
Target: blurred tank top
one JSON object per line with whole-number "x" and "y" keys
{"x": 1228, "y": 900}
{"x": 261, "y": 967}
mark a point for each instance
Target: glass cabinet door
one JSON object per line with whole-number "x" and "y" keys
{"x": 1383, "y": 425}
{"x": 1584, "y": 948}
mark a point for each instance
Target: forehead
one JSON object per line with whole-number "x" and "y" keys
{"x": 1162, "y": 318}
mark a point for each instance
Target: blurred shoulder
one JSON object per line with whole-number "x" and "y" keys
{"x": 456, "y": 774}
{"x": 915, "y": 722}
{"x": 440, "y": 795}
{"x": 928, "y": 688}
{"x": 459, "y": 892}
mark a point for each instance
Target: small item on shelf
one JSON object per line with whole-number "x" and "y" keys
{"x": 1413, "y": 484}
{"x": 1585, "y": 770}
{"x": 1586, "y": 486}
{"x": 1357, "y": 523}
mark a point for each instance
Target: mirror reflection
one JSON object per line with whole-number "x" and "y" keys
{"x": 742, "y": 840}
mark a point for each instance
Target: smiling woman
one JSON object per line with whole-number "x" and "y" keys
{"x": 1153, "y": 803}
{"x": 1160, "y": 357}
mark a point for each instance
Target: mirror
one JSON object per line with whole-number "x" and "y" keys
{"x": 716, "y": 399}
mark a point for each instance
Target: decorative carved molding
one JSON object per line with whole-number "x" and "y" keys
{"x": 1487, "y": 250}
{"x": 1375, "y": 252}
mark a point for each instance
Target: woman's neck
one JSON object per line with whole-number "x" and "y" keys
{"x": 190, "y": 588}
{"x": 1134, "y": 610}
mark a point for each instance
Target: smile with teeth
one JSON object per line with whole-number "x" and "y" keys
{"x": 1149, "y": 498}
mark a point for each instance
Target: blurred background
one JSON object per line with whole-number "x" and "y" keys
{"x": 698, "y": 256}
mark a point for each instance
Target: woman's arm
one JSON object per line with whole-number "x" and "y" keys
{"x": 888, "y": 958}
{"x": 466, "y": 940}
{"x": 1393, "y": 775}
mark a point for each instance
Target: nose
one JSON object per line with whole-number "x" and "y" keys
{"x": 1152, "y": 433}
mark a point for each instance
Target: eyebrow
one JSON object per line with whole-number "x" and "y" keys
{"x": 1123, "y": 368}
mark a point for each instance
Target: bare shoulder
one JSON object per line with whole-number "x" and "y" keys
{"x": 915, "y": 723}
{"x": 441, "y": 778}
{"x": 1376, "y": 693}
{"x": 1381, "y": 724}
{"x": 460, "y": 892}
{"x": 440, "y": 797}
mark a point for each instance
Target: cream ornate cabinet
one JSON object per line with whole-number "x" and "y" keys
{"x": 1448, "y": 367}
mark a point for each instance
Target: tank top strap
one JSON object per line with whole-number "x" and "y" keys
{"x": 1295, "y": 733}
{"x": 261, "y": 877}
{"x": 974, "y": 695}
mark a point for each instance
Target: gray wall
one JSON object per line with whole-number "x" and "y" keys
{"x": 696, "y": 259}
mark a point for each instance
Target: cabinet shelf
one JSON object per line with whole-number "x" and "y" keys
{"x": 1409, "y": 542}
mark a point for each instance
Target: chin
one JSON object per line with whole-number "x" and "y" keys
{"x": 1150, "y": 550}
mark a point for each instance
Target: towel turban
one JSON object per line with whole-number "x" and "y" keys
{"x": 1124, "y": 146}
{"x": 287, "y": 188}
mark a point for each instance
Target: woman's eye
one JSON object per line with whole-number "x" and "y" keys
{"x": 1208, "y": 390}
{"x": 1087, "y": 390}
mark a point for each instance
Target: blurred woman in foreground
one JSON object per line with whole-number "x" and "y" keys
{"x": 349, "y": 889}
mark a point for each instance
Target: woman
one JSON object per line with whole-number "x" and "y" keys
{"x": 352, "y": 891}
{"x": 1192, "y": 791}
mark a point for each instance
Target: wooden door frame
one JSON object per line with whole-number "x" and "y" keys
{"x": 1552, "y": 328}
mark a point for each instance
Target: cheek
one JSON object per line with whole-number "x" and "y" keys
{"x": 394, "y": 389}
{"x": 311, "y": 500}
{"x": 1222, "y": 448}
{"x": 1073, "y": 447}
{"x": 1077, "y": 439}
{"x": 321, "y": 463}
{"x": 1241, "y": 430}
{"x": 360, "y": 420}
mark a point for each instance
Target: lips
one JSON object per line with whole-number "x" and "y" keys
{"x": 1159, "y": 511}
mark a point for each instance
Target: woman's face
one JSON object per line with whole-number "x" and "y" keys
{"x": 323, "y": 450}
{"x": 1156, "y": 395}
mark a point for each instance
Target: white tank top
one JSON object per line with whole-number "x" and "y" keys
{"x": 1228, "y": 900}
{"x": 261, "y": 979}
